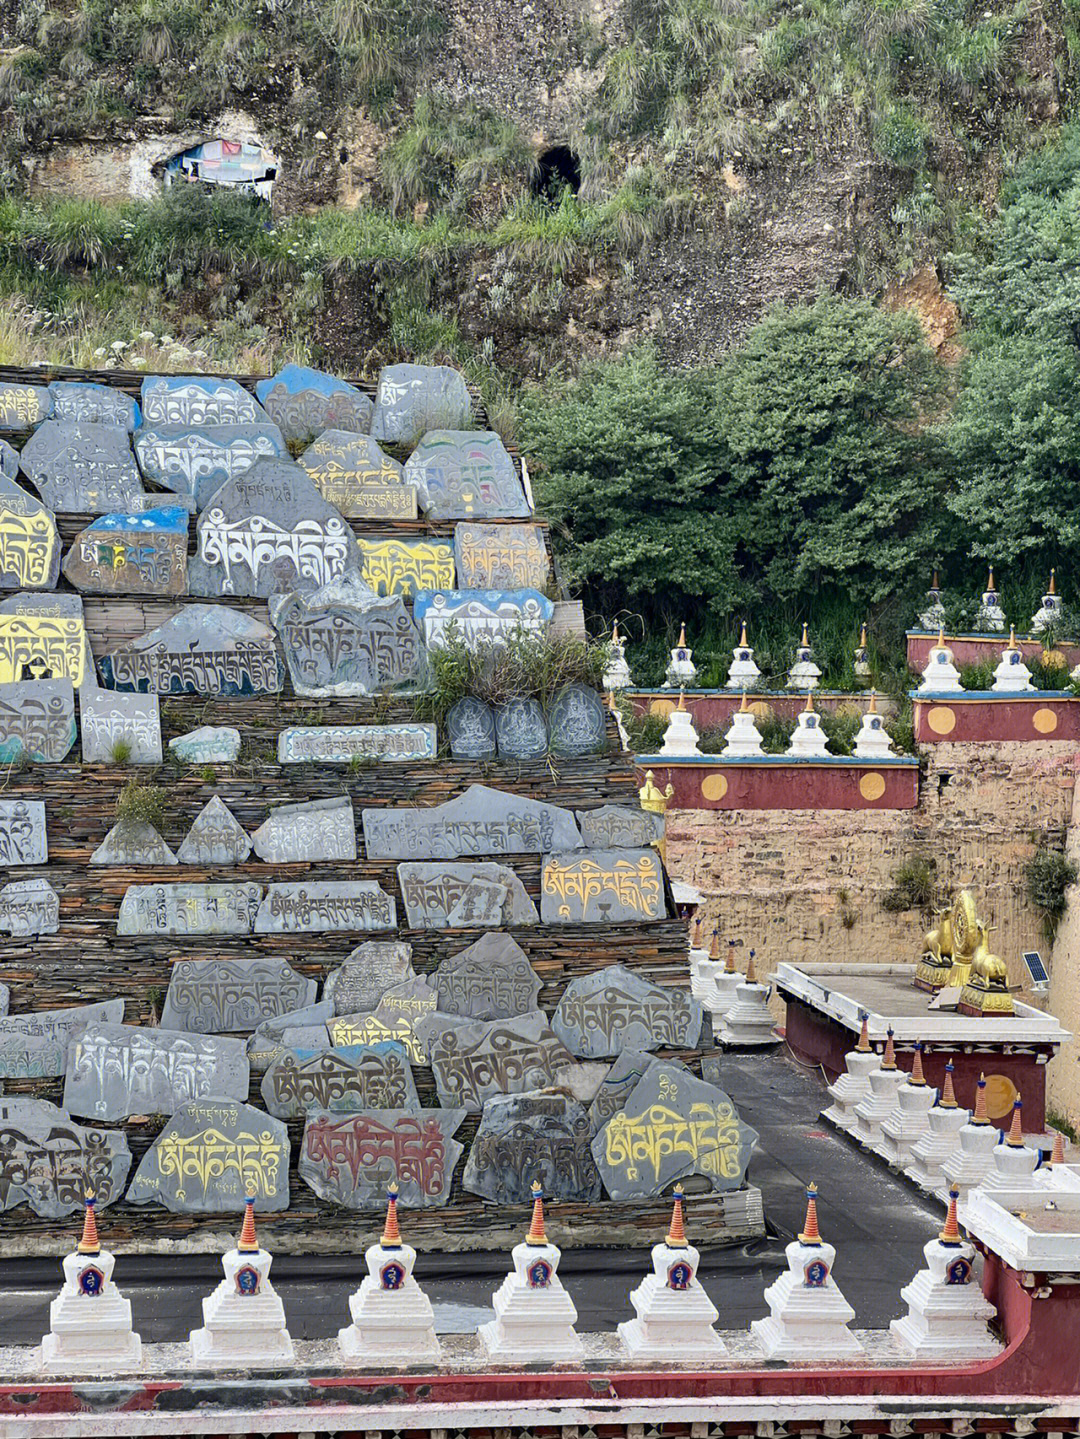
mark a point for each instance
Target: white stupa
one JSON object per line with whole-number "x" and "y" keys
{"x": 872, "y": 1112}
{"x": 809, "y": 1317}
{"x": 1012, "y": 675}
{"x": 872, "y": 741}
{"x": 534, "y": 1315}
{"x": 990, "y": 616}
{"x": 1012, "y": 1163}
{"x": 243, "y": 1320}
{"x": 968, "y": 1163}
{"x": 392, "y": 1320}
{"x": 681, "y": 672}
{"x": 804, "y": 673}
{"x": 712, "y": 982}
{"x": 861, "y": 661}
{"x": 910, "y": 1120}
{"x": 853, "y": 1086}
{"x": 1055, "y": 1173}
{"x": 743, "y": 673}
{"x": 617, "y": 672}
{"x": 940, "y": 677}
{"x": 942, "y": 1137}
{"x": 90, "y": 1320}
{"x": 674, "y": 1317}
{"x": 743, "y": 739}
{"x": 748, "y": 1022}
{"x": 947, "y": 1315}
{"x": 1049, "y": 612}
{"x": 933, "y": 617}
{"x": 808, "y": 740}
{"x": 680, "y": 737}
{"x": 726, "y": 981}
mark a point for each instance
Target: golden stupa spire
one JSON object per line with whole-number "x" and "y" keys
{"x": 1015, "y": 1137}
{"x": 950, "y": 1235}
{"x": 682, "y": 700}
{"x": 873, "y": 702}
{"x": 805, "y": 637}
{"x": 941, "y": 637}
{"x": 744, "y": 703}
{"x": 248, "y": 1242}
{"x": 714, "y": 947}
{"x": 89, "y": 1243}
{"x": 1053, "y": 583}
{"x": 862, "y": 636}
{"x": 808, "y": 707}
{"x": 751, "y": 972}
{"x": 979, "y": 1114}
{"x": 935, "y": 583}
{"x": 809, "y": 1234}
{"x": 947, "y": 1099}
{"x": 536, "y": 1236}
{"x": 614, "y": 632}
{"x": 1012, "y": 645}
{"x": 682, "y": 637}
{"x": 744, "y": 643}
{"x": 729, "y": 963}
{"x": 676, "y": 1235}
{"x": 888, "y": 1060}
{"x": 1057, "y": 1155}
{"x": 917, "y": 1079}
{"x": 391, "y": 1234}
{"x": 862, "y": 1044}
{"x": 990, "y": 579}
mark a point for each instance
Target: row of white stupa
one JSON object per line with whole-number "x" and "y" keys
{"x": 743, "y": 672}
{"x": 925, "y": 1133}
{"x": 990, "y": 616}
{"x": 393, "y": 1322}
{"x": 743, "y": 738}
{"x": 1012, "y": 676}
{"x": 739, "y": 1001}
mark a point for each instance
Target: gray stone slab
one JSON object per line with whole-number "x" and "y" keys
{"x": 343, "y": 1080}
{"x": 672, "y": 1126}
{"x": 298, "y": 1029}
{"x": 359, "y": 478}
{"x": 464, "y": 475}
{"x": 527, "y": 1137}
{"x": 233, "y": 996}
{"x": 209, "y": 744}
{"x": 344, "y": 640}
{"x": 50, "y": 1162}
{"x": 350, "y": 1160}
{"x": 208, "y": 1155}
{"x": 501, "y": 557}
{"x": 43, "y": 637}
{"x": 133, "y": 842}
{"x": 198, "y": 400}
{"x": 119, "y": 728}
{"x": 23, "y": 406}
{"x": 601, "y": 1014}
{"x": 270, "y": 532}
{"x": 480, "y": 617}
{"x": 470, "y": 725}
{"x": 602, "y": 886}
{"x": 393, "y": 1020}
{"x": 35, "y": 1045}
{"x": 29, "y": 540}
{"x": 412, "y": 399}
{"x": 305, "y": 402}
{"x": 115, "y": 1070}
{"x": 372, "y": 968}
{"x": 202, "y": 650}
{"x": 577, "y": 722}
{"x": 83, "y": 469}
{"x": 491, "y": 979}
{"x": 216, "y": 837}
{"x": 197, "y": 462}
{"x": 313, "y": 905}
{"x": 9, "y": 460}
{"x": 472, "y": 1061}
{"x": 86, "y": 403}
{"x": 23, "y": 838}
{"x": 521, "y": 729}
{"x": 614, "y": 826}
{"x": 29, "y": 907}
{"x": 5, "y": 999}
{"x": 620, "y": 1082}
{"x": 188, "y": 909}
{"x": 463, "y": 896}
{"x": 309, "y": 1016}
{"x": 37, "y": 719}
{"x": 312, "y": 830}
{"x": 482, "y": 820}
{"x": 131, "y": 554}
{"x": 341, "y": 744}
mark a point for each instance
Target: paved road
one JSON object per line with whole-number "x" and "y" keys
{"x": 878, "y": 1224}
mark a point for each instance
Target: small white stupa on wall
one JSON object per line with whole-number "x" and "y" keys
{"x": 1012, "y": 675}
{"x": 1049, "y": 612}
{"x": 947, "y": 1316}
{"x": 804, "y": 673}
{"x": 534, "y": 1315}
{"x": 861, "y": 659}
{"x": 392, "y": 1319}
{"x": 680, "y": 737}
{"x": 933, "y": 616}
{"x": 617, "y": 673}
{"x": 940, "y": 675}
{"x": 872, "y": 741}
{"x": 743, "y": 738}
{"x": 970, "y": 1161}
{"x": 674, "y": 1317}
{"x": 941, "y": 1139}
{"x": 853, "y": 1086}
{"x": 743, "y": 673}
{"x": 244, "y": 1319}
{"x": 681, "y": 672}
{"x": 910, "y": 1120}
{"x": 990, "y": 617}
{"x": 90, "y": 1320}
{"x": 872, "y": 1112}
{"x": 808, "y": 740}
{"x": 749, "y": 1022}
{"x": 1013, "y": 1163}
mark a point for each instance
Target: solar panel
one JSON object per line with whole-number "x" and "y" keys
{"x": 1036, "y": 968}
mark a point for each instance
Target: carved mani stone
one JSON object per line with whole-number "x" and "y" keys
{"x": 115, "y": 1070}
{"x": 216, "y": 837}
{"x": 208, "y": 1156}
{"x": 137, "y": 554}
{"x": 482, "y": 820}
{"x": 353, "y": 473}
{"x": 501, "y": 557}
{"x": 325, "y": 905}
{"x": 412, "y": 399}
{"x": 340, "y": 744}
{"x": 23, "y": 406}
{"x": 491, "y": 979}
{"x": 209, "y": 744}
{"x": 84, "y": 402}
{"x": 602, "y": 886}
{"x": 119, "y": 728}
{"x": 470, "y": 725}
{"x": 133, "y": 842}
{"x": 466, "y": 474}
{"x": 312, "y": 830}
{"x": 22, "y": 832}
{"x": 305, "y": 402}
{"x": 528, "y": 1137}
{"x": 198, "y": 400}
{"x": 472, "y": 1061}
{"x": 233, "y": 996}
{"x": 350, "y": 1159}
{"x": 521, "y": 729}
{"x": 577, "y": 722}
{"x": 464, "y": 896}
{"x": 83, "y": 469}
{"x": 29, "y": 907}
{"x": 204, "y": 649}
{"x": 188, "y": 909}
{"x": 614, "y": 827}
{"x": 620, "y": 1082}
{"x": 367, "y": 972}
{"x": 195, "y": 463}
{"x": 37, "y": 719}
{"x": 480, "y": 617}
{"x": 50, "y": 1162}
{"x": 29, "y": 540}
{"x": 601, "y": 1014}
{"x": 35, "y": 1046}
{"x": 343, "y": 1079}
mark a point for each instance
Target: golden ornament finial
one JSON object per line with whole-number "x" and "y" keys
{"x": 805, "y": 637}
{"x": 536, "y": 1236}
{"x": 676, "y": 1235}
{"x": 941, "y": 637}
{"x": 714, "y": 947}
{"x": 751, "y": 969}
{"x": 935, "y": 583}
{"x": 614, "y": 632}
{"x": 744, "y": 643}
{"x": 682, "y": 700}
{"x": 862, "y": 637}
{"x": 950, "y": 1235}
{"x": 810, "y": 1234}
{"x": 1053, "y": 583}
{"x": 990, "y": 579}
{"x": 808, "y": 707}
{"x": 651, "y": 797}
{"x": 682, "y": 637}
{"x": 873, "y": 702}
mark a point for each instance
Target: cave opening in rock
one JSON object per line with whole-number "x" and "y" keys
{"x": 235, "y": 164}
{"x": 557, "y": 169}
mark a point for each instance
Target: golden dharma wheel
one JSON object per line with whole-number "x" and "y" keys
{"x": 965, "y": 924}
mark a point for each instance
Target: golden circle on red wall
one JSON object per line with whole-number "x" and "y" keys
{"x": 714, "y": 786}
{"x": 872, "y": 786}
{"x": 1000, "y": 1095}
{"x": 661, "y": 707}
{"x": 1045, "y": 721}
{"x": 762, "y": 709}
{"x": 941, "y": 719}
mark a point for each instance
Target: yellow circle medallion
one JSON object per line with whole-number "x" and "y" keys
{"x": 1045, "y": 721}
{"x": 1000, "y": 1095}
{"x": 941, "y": 719}
{"x": 661, "y": 707}
{"x": 761, "y": 709}
{"x": 872, "y": 786}
{"x": 714, "y": 786}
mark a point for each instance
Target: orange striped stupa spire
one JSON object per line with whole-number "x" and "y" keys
{"x": 89, "y": 1243}
{"x": 918, "y": 1079}
{"x": 536, "y": 1236}
{"x": 714, "y": 947}
{"x": 810, "y": 1235}
{"x": 682, "y": 635}
{"x": 950, "y": 1235}
{"x": 391, "y": 1234}
{"x": 1057, "y": 1154}
{"x": 862, "y": 1044}
{"x": 676, "y": 1235}
{"x": 947, "y": 1098}
{"x": 1015, "y": 1137}
{"x": 979, "y": 1114}
{"x": 248, "y": 1243}
{"x": 888, "y": 1059}
{"x": 751, "y": 971}
{"x": 729, "y": 963}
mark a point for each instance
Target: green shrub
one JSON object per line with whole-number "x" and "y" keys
{"x": 1048, "y": 875}
{"x": 914, "y": 885}
{"x": 900, "y": 137}
{"x": 142, "y": 801}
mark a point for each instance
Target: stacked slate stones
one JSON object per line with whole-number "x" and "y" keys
{"x": 270, "y": 927}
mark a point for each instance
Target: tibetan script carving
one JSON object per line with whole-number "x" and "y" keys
{"x": 198, "y": 400}
{"x": 22, "y": 832}
{"x": 473, "y": 1061}
{"x": 501, "y": 557}
{"x": 140, "y": 554}
{"x": 463, "y": 896}
{"x": 196, "y": 463}
{"x": 412, "y": 399}
{"x": 305, "y": 402}
{"x": 188, "y": 909}
{"x": 29, "y": 541}
{"x": 331, "y": 904}
{"x": 602, "y": 886}
{"x": 480, "y": 617}
{"x": 527, "y": 1137}
{"x": 35, "y": 1046}
{"x": 110, "y": 718}
{"x": 344, "y": 1079}
{"x": 37, "y": 719}
{"x": 350, "y": 1161}
{"x": 29, "y": 907}
{"x": 210, "y": 1155}
{"x": 204, "y": 649}
{"x": 491, "y": 979}
{"x": 118, "y": 1069}
{"x": 480, "y": 821}
{"x": 232, "y": 996}
{"x": 401, "y": 567}
{"x": 466, "y": 474}
{"x": 338, "y": 744}
{"x": 601, "y": 1014}
{"x": 614, "y": 827}
{"x": 50, "y": 1163}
